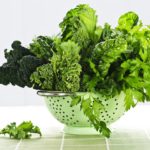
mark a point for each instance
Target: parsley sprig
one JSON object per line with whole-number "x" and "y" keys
{"x": 22, "y": 131}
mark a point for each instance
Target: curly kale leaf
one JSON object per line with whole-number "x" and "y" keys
{"x": 44, "y": 77}
{"x": 43, "y": 47}
{"x": 17, "y": 53}
{"x": 27, "y": 65}
{"x": 22, "y": 131}
{"x": 66, "y": 67}
{"x": 20, "y": 64}
{"x": 79, "y": 25}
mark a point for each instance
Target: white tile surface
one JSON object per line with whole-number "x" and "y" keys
{"x": 131, "y": 132}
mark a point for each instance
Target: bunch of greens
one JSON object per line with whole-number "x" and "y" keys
{"x": 62, "y": 73}
{"x": 22, "y": 131}
{"x": 86, "y": 57}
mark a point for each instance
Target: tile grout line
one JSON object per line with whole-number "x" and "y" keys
{"x": 62, "y": 142}
{"x": 107, "y": 144}
{"x": 101, "y": 138}
{"x": 17, "y": 146}
{"x": 147, "y": 134}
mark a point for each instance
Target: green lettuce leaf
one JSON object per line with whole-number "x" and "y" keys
{"x": 127, "y": 21}
{"x": 80, "y": 26}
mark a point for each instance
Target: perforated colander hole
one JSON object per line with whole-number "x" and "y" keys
{"x": 77, "y": 121}
{"x": 115, "y": 99}
{"x": 88, "y": 121}
{"x": 63, "y": 97}
{"x": 113, "y": 113}
{"x": 66, "y": 115}
{"x": 60, "y": 105}
{"x": 72, "y": 114}
{"x": 72, "y": 110}
{"x": 68, "y": 102}
{"x": 57, "y": 100}
{"x": 116, "y": 108}
{"x": 71, "y": 118}
{"x": 117, "y": 104}
{"x": 63, "y": 112}
{"x": 74, "y": 123}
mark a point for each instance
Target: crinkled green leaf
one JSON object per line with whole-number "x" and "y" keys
{"x": 66, "y": 67}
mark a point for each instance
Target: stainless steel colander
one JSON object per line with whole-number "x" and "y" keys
{"x": 76, "y": 122}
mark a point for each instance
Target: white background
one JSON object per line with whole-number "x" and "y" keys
{"x": 25, "y": 19}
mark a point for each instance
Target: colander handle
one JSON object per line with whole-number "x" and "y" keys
{"x": 54, "y": 93}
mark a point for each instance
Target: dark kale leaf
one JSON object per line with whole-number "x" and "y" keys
{"x": 19, "y": 66}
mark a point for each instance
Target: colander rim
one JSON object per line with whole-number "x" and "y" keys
{"x": 54, "y": 93}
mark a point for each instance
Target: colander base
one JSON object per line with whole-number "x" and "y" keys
{"x": 80, "y": 130}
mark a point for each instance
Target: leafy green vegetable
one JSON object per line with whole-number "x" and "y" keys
{"x": 62, "y": 73}
{"x": 43, "y": 47}
{"x": 22, "y": 131}
{"x": 66, "y": 67}
{"x": 79, "y": 25}
{"x": 91, "y": 108}
{"x": 19, "y": 66}
{"x": 127, "y": 21}
{"x": 44, "y": 77}
{"x": 107, "y": 53}
{"x": 109, "y": 33}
